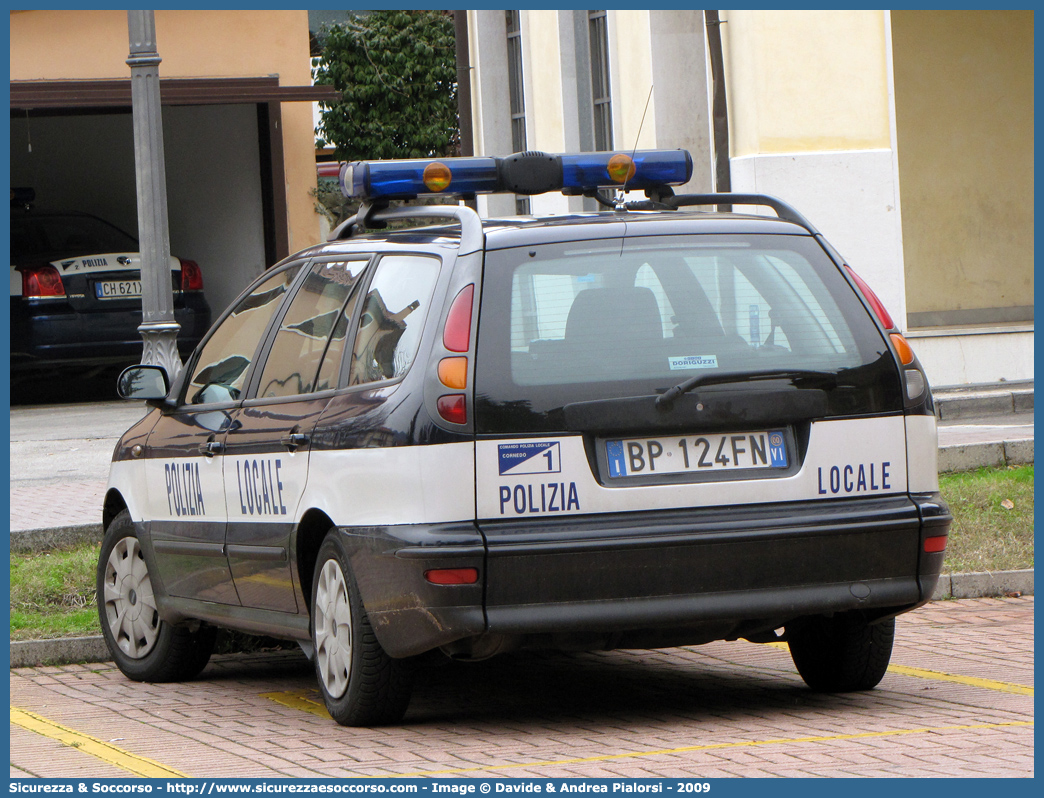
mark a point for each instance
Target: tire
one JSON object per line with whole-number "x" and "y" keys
{"x": 843, "y": 653}
{"x": 144, "y": 647}
{"x": 360, "y": 683}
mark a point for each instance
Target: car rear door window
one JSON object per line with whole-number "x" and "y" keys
{"x": 660, "y": 308}
{"x": 393, "y": 317}
{"x": 315, "y": 320}
{"x": 220, "y": 370}
{"x": 592, "y": 321}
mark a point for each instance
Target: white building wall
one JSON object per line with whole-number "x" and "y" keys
{"x": 968, "y": 356}
{"x": 850, "y": 197}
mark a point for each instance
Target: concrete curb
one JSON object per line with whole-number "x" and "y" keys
{"x": 983, "y": 400}
{"x": 984, "y": 585}
{"x": 68, "y": 650}
{"x": 969, "y": 456}
{"x": 985, "y": 405}
{"x": 24, "y": 541}
{"x": 59, "y": 651}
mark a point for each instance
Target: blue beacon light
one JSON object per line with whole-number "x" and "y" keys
{"x": 412, "y": 178}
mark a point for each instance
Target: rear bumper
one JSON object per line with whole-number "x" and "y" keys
{"x": 652, "y": 578}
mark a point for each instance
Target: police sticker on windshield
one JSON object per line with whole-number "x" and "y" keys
{"x": 693, "y": 362}
{"x": 536, "y": 457}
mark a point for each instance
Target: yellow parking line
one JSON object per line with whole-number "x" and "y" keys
{"x": 717, "y": 747}
{"x": 974, "y": 681}
{"x": 971, "y": 681}
{"x": 138, "y": 765}
{"x": 299, "y": 699}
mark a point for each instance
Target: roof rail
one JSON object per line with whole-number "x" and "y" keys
{"x": 472, "y": 238}
{"x": 782, "y": 209}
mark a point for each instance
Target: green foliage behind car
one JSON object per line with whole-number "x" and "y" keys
{"x": 396, "y": 71}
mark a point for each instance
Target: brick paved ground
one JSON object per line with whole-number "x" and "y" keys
{"x": 726, "y": 709}
{"x": 47, "y": 506}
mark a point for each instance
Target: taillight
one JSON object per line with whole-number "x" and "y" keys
{"x": 902, "y": 348}
{"x": 42, "y": 281}
{"x": 191, "y": 276}
{"x": 456, "y": 336}
{"x": 915, "y": 381}
{"x": 453, "y": 371}
{"x": 453, "y": 408}
{"x": 871, "y": 297}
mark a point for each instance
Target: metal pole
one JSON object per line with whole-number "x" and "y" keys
{"x": 722, "y": 171}
{"x": 460, "y": 30}
{"x": 158, "y": 329}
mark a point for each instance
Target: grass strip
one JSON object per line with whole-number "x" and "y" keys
{"x": 992, "y": 519}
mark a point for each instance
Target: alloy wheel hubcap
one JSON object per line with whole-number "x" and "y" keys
{"x": 130, "y": 606}
{"x": 333, "y": 629}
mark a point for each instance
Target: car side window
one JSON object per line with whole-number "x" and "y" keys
{"x": 393, "y": 317}
{"x": 311, "y": 322}
{"x": 330, "y": 368}
{"x": 221, "y": 368}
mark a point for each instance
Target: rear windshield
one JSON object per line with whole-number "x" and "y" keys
{"x": 75, "y": 235}
{"x": 621, "y": 318}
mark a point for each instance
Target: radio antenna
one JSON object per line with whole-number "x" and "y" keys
{"x": 638, "y": 135}
{"x": 620, "y": 203}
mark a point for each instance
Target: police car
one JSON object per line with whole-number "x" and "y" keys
{"x": 646, "y": 427}
{"x": 76, "y": 291}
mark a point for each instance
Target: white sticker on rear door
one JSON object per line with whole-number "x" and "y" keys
{"x": 537, "y": 457}
{"x": 693, "y": 362}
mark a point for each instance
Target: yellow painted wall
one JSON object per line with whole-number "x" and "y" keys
{"x": 92, "y": 45}
{"x": 806, "y": 81}
{"x": 964, "y": 119}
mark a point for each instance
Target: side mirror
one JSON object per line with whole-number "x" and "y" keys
{"x": 144, "y": 382}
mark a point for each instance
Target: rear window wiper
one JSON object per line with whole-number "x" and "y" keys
{"x": 666, "y": 400}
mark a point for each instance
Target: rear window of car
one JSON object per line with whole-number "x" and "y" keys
{"x": 623, "y": 318}
{"x": 73, "y": 234}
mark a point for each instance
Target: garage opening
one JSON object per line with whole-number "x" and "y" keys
{"x": 72, "y": 142}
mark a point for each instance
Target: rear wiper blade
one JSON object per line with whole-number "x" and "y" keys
{"x": 665, "y": 400}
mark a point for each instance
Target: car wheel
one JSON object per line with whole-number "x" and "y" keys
{"x": 842, "y": 653}
{"x": 145, "y": 648}
{"x": 360, "y": 683}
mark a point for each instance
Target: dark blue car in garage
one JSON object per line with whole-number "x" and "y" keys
{"x": 76, "y": 292}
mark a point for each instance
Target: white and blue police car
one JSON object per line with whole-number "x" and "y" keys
{"x": 646, "y": 427}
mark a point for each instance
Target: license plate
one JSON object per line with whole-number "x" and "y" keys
{"x": 633, "y": 457}
{"x": 117, "y": 289}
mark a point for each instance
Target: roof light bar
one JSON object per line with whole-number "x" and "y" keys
{"x": 411, "y": 178}
{"x": 521, "y": 173}
{"x": 646, "y": 169}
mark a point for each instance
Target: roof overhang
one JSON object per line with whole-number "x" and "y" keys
{"x": 30, "y": 94}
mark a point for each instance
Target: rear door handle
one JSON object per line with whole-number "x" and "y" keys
{"x": 293, "y": 440}
{"x": 210, "y": 448}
